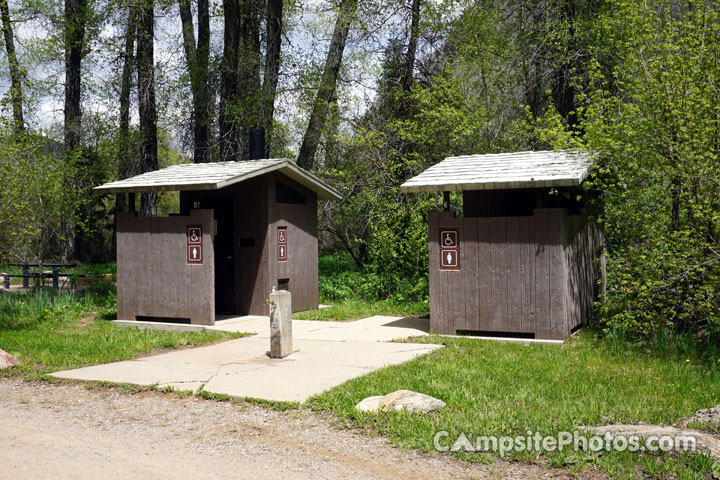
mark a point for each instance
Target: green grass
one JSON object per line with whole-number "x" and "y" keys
{"x": 94, "y": 268}
{"x": 279, "y": 405}
{"x": 355, "y": 293}
{"x": 49, "y": 331}
{"x": 353, "y": 309}
{"x": 10, "y": 269}
{"x": 507, "y": 389}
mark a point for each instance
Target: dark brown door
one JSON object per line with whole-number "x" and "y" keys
{"x": 224, "y": 256}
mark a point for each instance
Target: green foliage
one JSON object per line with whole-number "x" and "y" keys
{"x": 459, "y": 110}
{"x": 356, "y": 292}
{"x": 353, "y": 309}
{"x": 652, "y": 117}
{"x": 277, "y": 405}
{"x": 32, "y": 196}
{"x": 218, "y": 397}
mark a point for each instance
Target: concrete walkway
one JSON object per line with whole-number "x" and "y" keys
{"x": 326, "y": 354}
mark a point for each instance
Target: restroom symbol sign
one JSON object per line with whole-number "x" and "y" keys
{"x": 449, "y": 259}
{"x": 448, "y": 238}
{"x": 282, "y": 244}
{"x": 194, "y": 245}
{"x": 449, "y": 247}
{"x": 195, "y": 235}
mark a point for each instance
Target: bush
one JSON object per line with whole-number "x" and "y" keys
{"x": 341, "y": 279}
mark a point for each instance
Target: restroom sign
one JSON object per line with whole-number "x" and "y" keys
{"x": 449, "y": 239}
{"x": 194, "y": 245}
{"x": 282, "y": 244}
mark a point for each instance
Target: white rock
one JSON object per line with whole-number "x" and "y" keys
{"x": 401, "y": 399}
{"x": 7, "y": 360}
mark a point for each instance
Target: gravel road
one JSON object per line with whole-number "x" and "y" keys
{"x": 68, "y": 431}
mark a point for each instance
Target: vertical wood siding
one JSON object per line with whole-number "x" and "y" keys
{"x": 529, "y": 275}
{"x": 301, "y": 267}
{"x": 583, "y": 244}
{"x": 257, "y": 216}
{"x": 154, "y": 279}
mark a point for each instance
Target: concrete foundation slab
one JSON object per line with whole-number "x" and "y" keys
{"x": 325, "y": 354}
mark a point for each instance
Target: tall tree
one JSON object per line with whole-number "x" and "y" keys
{"x": 273, "y": 35}
{"x": 75, "y": 20}
{"x": 125, "y": 149}
{"x": 326, "y": 90}
{"x": 125, "y": 166}
{"x": 249, "y": 73}
{"x": 228, "y": 139}
{"x": 197, "y": 60}
{"x": 563, "y": 90}
{"x": 146, "y": 101}
{"x": 407, "y": 78}
{"x": 16, "y": 95}
{"x": 75, "y": 16}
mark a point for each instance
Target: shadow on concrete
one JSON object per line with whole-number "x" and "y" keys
{"x": 422, "y": 324}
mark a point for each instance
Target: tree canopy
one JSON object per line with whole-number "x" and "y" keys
{"x": 367, "y": 93}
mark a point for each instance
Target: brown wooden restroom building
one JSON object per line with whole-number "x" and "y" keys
{"x": 242, "y": 229}
{"x": 525, "y": 257}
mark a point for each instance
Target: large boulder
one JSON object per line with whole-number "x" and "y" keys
{"x": 401, "y": 399}
{"x": 7, "y": 360}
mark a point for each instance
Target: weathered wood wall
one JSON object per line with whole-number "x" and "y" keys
{"x": 251, "y": 231}
{"x": 301, "y": 266}
{"x": 153, "y": 277}
{"x": 257, "y": 217}
{"x": 518, "y": 275}
{"x": 583, "y": 246}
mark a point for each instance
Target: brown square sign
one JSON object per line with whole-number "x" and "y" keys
{"x": 449, "y": 243}
{"x": 194, "y": 245}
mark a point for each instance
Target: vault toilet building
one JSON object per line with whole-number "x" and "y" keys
{"x": 526, "y": 256}
{"x": 243, "y": 228}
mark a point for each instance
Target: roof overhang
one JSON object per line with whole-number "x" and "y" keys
{"x": 503, "y": 171}
{"x": 214, "y": 176}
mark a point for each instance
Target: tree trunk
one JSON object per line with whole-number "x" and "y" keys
{"x": 125, "y": 167}
{"x": 412, "y": 46}
{"x": 125, "y": 164}
{"x": 146, "y": 100}
{"x": 563, "y": 91}
{"x": 74, "y": 36}
{"x": 272, "y": 68}
{"x": 16, "y": 95}
{"x": 197, "y": 60}
{"x": 228, "y": 141}
{"x": 325, "y": 92}
{"x": 75, "y": 14}
{"x": 249, "y": 73}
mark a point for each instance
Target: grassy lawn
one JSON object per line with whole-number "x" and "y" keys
{"x": 509, "y": 389}
{"x": 355, "y": 293}
{"x": 352, "y": 309}
{"x": 49, "y": 331}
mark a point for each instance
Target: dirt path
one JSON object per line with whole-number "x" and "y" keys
{"x": 67, "y": 431}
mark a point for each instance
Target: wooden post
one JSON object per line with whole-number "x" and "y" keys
{"x": 7, "y": 281}
{"x": 55, "y": 279}
{"x": 280, "y": 324}
{"x": 26, "y": 276}
{"x": 446, "y": 201}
